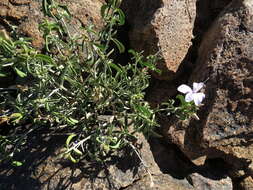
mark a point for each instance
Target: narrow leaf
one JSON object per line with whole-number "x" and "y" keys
{"x": 121, "y": 18}
{"x": 17, "y": 163}
{"x": 70, "y": 137}
{"x": 72, "y": 159}
{"x": 2, "y": 75}
{"x": 119, "y": 45}
{"x": 77, "y": 151}
{"x": 103, "y": 9}
{"x": 116, "y": 67}
{"x": 20, "y": 73}
{"x": 116, "y": 146}
{"x": 45, "y": 58}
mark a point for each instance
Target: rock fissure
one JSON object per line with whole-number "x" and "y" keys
{"x": 198, "y": 40}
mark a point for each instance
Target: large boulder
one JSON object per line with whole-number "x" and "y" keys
{"x": 225, "y": 127}
{"x": 164, "y": 26}
{"x": 28, "y": 14}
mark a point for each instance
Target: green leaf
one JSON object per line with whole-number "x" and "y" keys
{"x": 17, "y": 163}
{"x": 65, "y": 12}
{"x": 121, "y": 18}
{"x": 45, "y": 7}
{"x": 2, "y": 75}
{"x": 77, "y": 151}
{"x": 116, "y": 146}
{"x": 150, "y": 66}
{"x": 119, "y": 45}
{"x": 101, "y": 47}
{"x": 70, "y": 137}
{"x": 72, "y": 121}
{"x": 116, "y": 67}
{"x": 45, "y": 58}
{"x": 71, "y": 158}
{"x": 181, "y": 98}
{"x": 16, "y": 117}
{"x": 20, "y": 73}
{"x": 103, "y": 9}
{"x": 132, "y": 52}
{"x": 145, "y": 111}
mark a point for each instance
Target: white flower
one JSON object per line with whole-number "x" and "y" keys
{"x": 192, "y": 94}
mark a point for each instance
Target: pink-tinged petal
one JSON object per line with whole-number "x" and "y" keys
{"x": 184, "y": 89}
{"x": 189, "y": 97}
{"x": 198, "y": 98}
{"x": 197, "y": 86}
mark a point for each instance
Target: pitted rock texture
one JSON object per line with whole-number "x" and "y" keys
{"x": 202, "y": 183}
{"x": 161, "y": 182}
{"x": 161, "y": 25}
{"x": 28, "y": 14}
{"x": 225, "y": 129}
{"x": 44, "y": 169}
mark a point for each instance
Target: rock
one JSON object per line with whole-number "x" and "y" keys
{"x": 160, "y": 91}
{"x": 161, "y": 25}
{"x": 225, "y": 58}
{"x": 161, "y": 182}
{"x": 170, "y": 159}
{"x": 207, "y": 12}
{"x": 202, "y": 183}
{"x": 27, "y": 15}
{"x": 246, "y": 184}
{"x": 43, "y": 168}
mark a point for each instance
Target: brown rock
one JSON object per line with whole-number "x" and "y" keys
{"x": 161, "y": 182}
{"x": 27, "y": 14}
{"x": 44, "y": 169}
{"x": 161, "y": 25}
{"x": 202, "y": 183}
{"x": 226, "y": 126}
{"x": 246, "y": 184}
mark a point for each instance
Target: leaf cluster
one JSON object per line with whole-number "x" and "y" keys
{"x": 74, "y": 86}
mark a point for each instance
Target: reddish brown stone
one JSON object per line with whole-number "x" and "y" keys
{"x": 164, "y": 26}
{"x": 27, "y": 14}
{"x": 226, "y": 125}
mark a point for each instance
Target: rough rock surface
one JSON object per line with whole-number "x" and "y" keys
{"x": 161, "y": 25}
{"x": 245, "y": 184}
{"x": 43, "y": 168}
{"x": 161, "y": 182}
{"x": 27, "y": 14}
{"x": 226, "y": 60}
{"x": 202, "y": 183}
{"x": 207, "y": 12}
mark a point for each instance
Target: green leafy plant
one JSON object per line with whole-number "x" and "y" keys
{"x": 185, "y": 110}
{"x": 74, "y": 87}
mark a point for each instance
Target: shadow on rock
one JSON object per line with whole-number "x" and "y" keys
{"x": 43, "y": 169}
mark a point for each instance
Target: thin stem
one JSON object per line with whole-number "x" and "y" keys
{"x": 143, "y": 162}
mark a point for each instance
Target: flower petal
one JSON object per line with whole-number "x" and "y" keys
{"x": 184, "y": 89}
{"x": 189, "y": 97}
{"x": 197, "y": 86}
{"x": 198, "y": 98}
